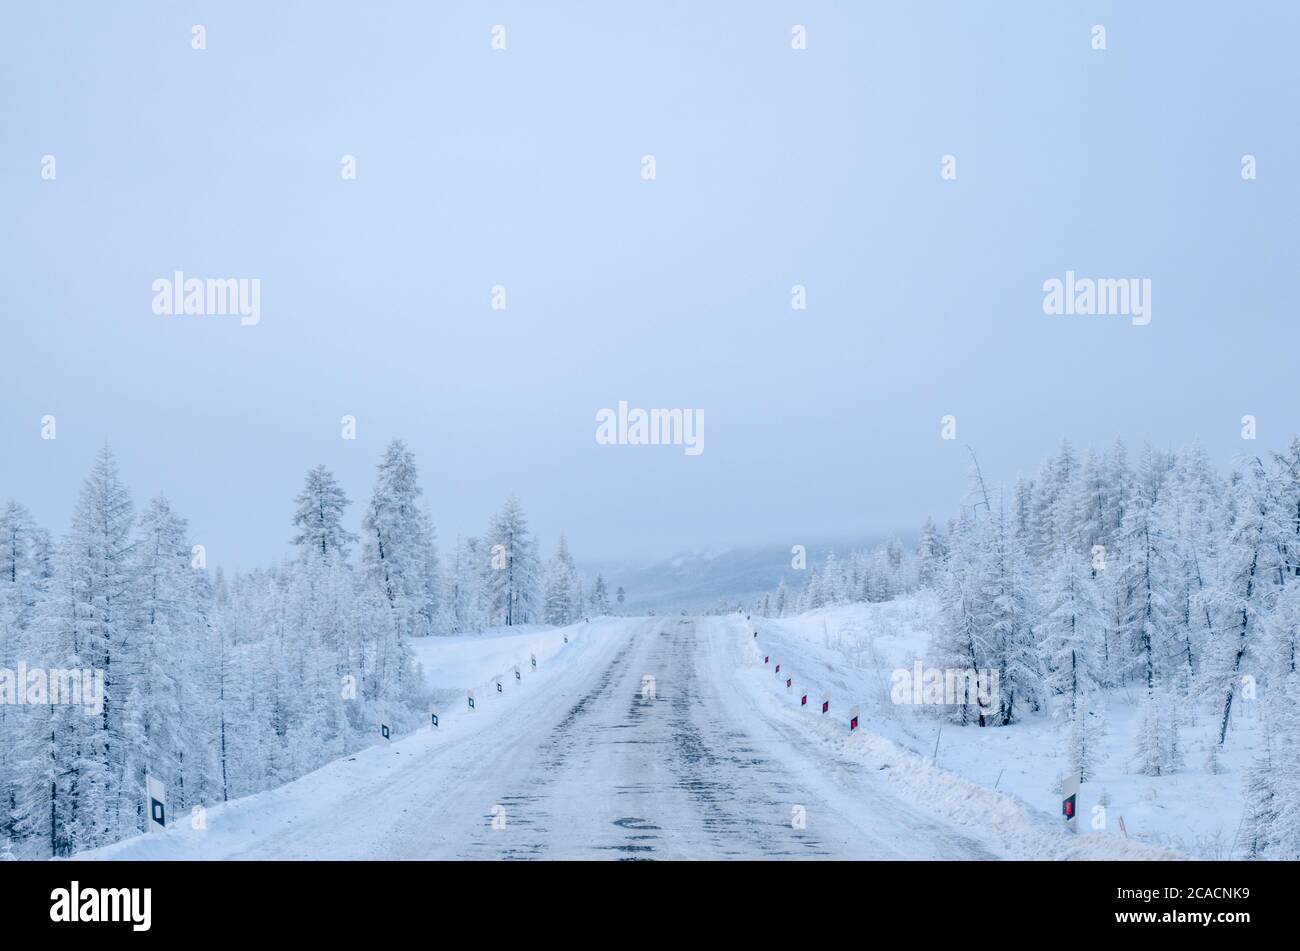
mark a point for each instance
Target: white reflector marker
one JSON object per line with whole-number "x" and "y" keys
{"x": 433, "y": 718}
{"x": 157, "y": 795}
{"x": 1070, "y": 799}
{"x": 385, "y": 732}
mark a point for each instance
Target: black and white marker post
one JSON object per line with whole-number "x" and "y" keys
{"x": 156, "y": 793}
{"x": 517, "y": 675}
{"x": 533, "y": 658}
{"x": 385, "y": 732}
{"x": 471, "y": 699}
{"x": 500, "y": 689}
{"x": 1070, "y": 801}
{"x": 433, "y": 718}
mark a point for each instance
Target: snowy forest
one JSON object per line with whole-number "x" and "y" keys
{"x": 223, "y": 686}
{"x": 1159, "y": 577}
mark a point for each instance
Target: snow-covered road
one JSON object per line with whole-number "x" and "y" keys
{"x": 607, "y": 771}
{"x": 581, "y": 764}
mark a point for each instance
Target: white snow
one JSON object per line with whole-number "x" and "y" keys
{"x": 851, "y": 651}
{"x": 355, "y": 799}
{"x": 714, "y": 765}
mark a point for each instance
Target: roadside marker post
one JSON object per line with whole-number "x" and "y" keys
{"x": 778, "y": 668}
{"x": 385, "y": 732}
{"x": 517, "y": 677}
{"x": 157, "y": 794}
{"x": 533, "y": 657}
{"x": 826, "y": 705}
{"x": 788, "y": 682}
{"x": 803, "y": 701}
{"x": 499, "y": 690}
{"x": 1070, "y": 800}
{"x": 471, "y": 699}
{"x": 853, "y": 718}
{"x": 766, "y": 658}
{"x": 433, "y": 717}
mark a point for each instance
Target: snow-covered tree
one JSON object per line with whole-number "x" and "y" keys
{"x": 395, "y": 554}
{"x": 513, "y": 578}
{"x": 73, "y": 793}
{"x": 161, "y": 707}
{"x": 1244, "y": 594}
{"x": 599, "y": 597}
{"x": 1071, "y": 631}
{"x": 559, "y": 581}
{"x": 318, "y": 516}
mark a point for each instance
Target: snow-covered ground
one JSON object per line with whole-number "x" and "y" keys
{"x": 852, "y": 650}
{"x": 347, "y": 807}
{"x": 584, "y": 759}
{"x": 457, "y": 663}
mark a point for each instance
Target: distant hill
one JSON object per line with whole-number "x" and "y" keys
{"x": 698, "y": 579}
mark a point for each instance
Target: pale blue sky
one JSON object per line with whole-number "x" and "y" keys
{"x": 521, "y": 167}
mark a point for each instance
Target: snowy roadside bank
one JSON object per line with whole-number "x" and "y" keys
{"x": 354, "y": 798}
{"x": 806, "y": 648}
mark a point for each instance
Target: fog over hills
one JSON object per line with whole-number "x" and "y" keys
{"x": 700, "y": 578}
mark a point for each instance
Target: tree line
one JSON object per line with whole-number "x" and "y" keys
{"x": 1160, "y": 577}
{"x": 224, "y": 686}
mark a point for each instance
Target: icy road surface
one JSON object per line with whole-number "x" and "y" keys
{"x": 578, "y": 763}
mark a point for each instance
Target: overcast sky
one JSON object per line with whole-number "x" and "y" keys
{"x": 523, "y": 168}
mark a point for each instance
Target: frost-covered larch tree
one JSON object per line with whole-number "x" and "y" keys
{"x": 395, "y": 540}
{"x": 559, "y": 581}
{"x": 513, "y": 575}
{"x": 318, "y": 516}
